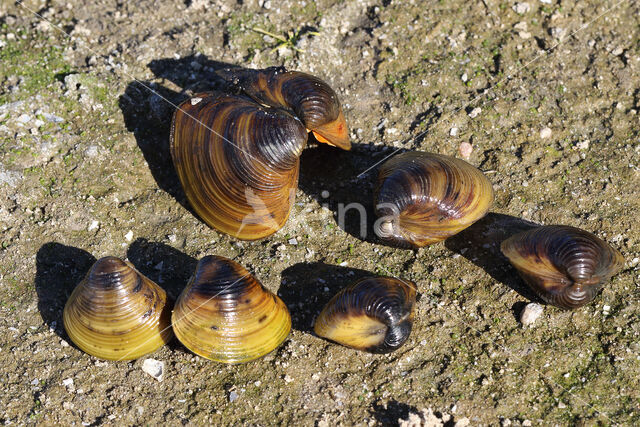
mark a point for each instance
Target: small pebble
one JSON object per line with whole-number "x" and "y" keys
{"x": 453, "y": 131}
{"x": 35, "y": 382}
{"x": 293, "y": 241}
{"x": 474, "y": 113}
{"x": 233, "y": 396}
{"x": 288, "y": 379}
{"x": 521, "y": 8}
{"x": 93, "y": 226}
{"x": 545, "y": 133}
{"x": 583, "y": 145}
{"x": 23, "y": 118}
{"x": 155, "y": 368}
{"x": 531, "y": 313}
{"x": 68, "y": 383}
{"x": 129, "y": 236}
{"x": 195, "y": 101}
{"x": 465, "y": 150}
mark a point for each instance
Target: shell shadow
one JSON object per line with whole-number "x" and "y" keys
{"x": 306, "y": 287}
{"x": 167, "y": 266}
{"x": 392, "y": 412}
{"x": 59, "y": 268}
{"x": 147, "y": 109}
{"x": 338, "y": 175}
{"x": 480, "y": 244}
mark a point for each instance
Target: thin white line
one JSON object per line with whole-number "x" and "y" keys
{"x": 183, "y": 316}
{"x": 19, "y": 3}
{"x": 486, "y": 91}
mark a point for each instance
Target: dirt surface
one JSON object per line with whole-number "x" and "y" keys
{"x": 546, "y": 94}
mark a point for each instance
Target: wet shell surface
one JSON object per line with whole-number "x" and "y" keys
{"x": 116, "y": 313}
{"x": 225, "y": 314}
{"x": 374, "y": 314}
{"x": 565, "y": 266}
{"x": 423, "y": 198}
{"x": 237, "y": 155}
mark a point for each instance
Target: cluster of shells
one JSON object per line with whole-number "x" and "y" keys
{"x": 237, "y": 157}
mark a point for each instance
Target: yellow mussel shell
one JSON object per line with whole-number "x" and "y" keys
{"x": 374, "y": 314}
{"x": 423, "y": 198}
{"x": 237, "y": 155}
{"x": 238, "y": 162}
{"x": 564, "y": 265}
{"x": 116, "y": 313}
{"x": 225, "y": 314}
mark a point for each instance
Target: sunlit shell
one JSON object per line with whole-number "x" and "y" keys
{"x": 116, "y": 313}
{"x": 225, "y": 314}
{"x": 238, "y": 162}
{"x": 306, "y": 96}
{"x": 424, "y": 198}
{"x": 565, "y": 266}
{"x": 374, "y": 314}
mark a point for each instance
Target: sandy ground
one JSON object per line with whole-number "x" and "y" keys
{"x": 545, "y": 93}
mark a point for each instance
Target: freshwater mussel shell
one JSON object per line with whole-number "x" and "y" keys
{"x": 225, "y": 314}
{"x": 423, "y": 198}
{"x": 238, "y": 162}
{"x": 564, "y": 265}
{"x": 373, "y": 314}
{"x": 116, "y": 313}
{"x": 306, "y": 96}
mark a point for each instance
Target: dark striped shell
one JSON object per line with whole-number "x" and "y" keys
{"x": 305, "y": 96}
{"x": 239, "y": 166}
{"x": 116, "y": 313}
{"x": 374, "y": 314}
{"x": 225, "y": 314}
{"x": 424, "y": 198}
{"x": 565, "y": 266}
{"x": 237, "y": 155}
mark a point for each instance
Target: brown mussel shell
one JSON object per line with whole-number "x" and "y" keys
{"x": 237, "y": 155}
{"x": 225, "y": 314}
{"x": 238, "y": 162}
{"x": 424, "y": 198}
{"x": 116, "y": 313}
{"x": 374, "y": 314}
{"x": 305, "y": 96}
{"x": 564, "y": 265}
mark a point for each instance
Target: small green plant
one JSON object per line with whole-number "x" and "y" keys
{"x": 289, "y": 40}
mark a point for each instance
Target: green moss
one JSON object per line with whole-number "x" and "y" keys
{"x": 39, "y": 63}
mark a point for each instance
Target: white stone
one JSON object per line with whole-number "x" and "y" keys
{"x": 453, "y": 131}
{"x": 545, "y": 133}
{"x": 129, "y": 236}
{"x": 195, "y": 101}
{"x": 474, "y": 113}
{"x": 583, "y": 145}
{"x": 293, "y": 241}
{"x": 93, "y": 226}
{"x": 531, "y": 313}
{"x": 154, "y": 367}
{"x": 521, "y": 8}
